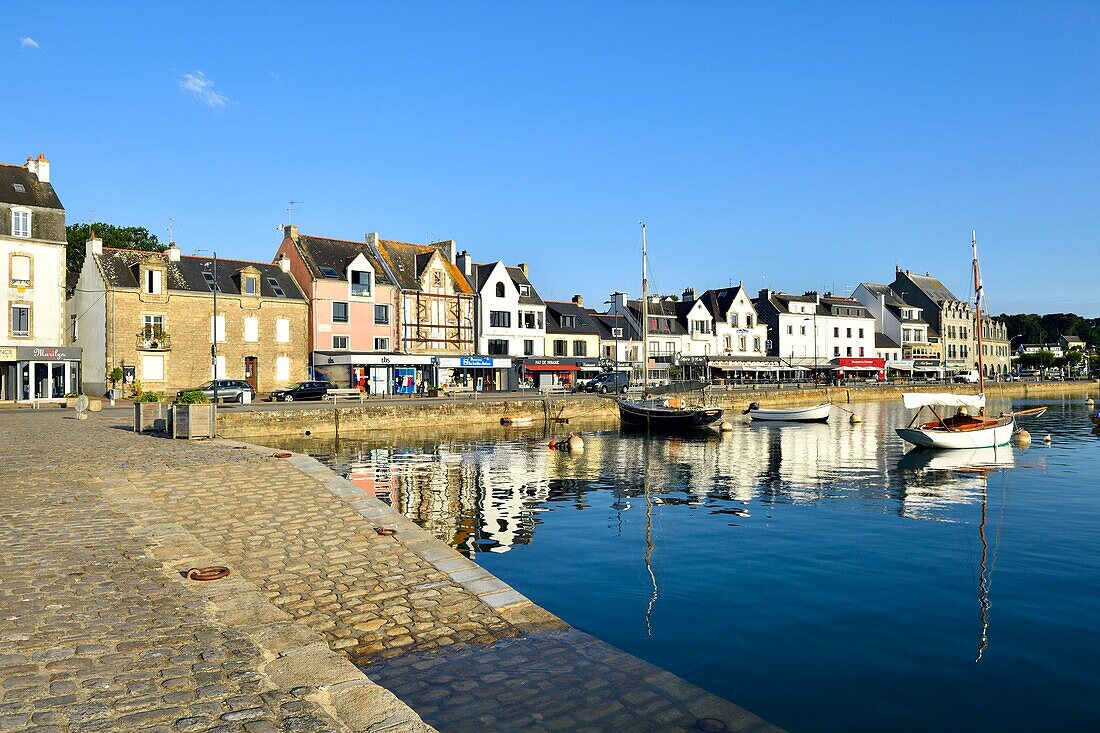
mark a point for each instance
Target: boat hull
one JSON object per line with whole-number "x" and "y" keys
{"x": 991, "y": 437}
{"x": 666, "y": 419}
{"x": 816, "y": 413}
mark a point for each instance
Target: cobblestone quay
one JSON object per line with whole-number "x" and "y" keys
{"x": 101, "y": 631}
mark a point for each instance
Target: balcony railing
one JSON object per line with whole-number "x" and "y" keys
{"x": 153, "y": 341}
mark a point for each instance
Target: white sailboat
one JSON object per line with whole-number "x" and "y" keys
{"x": 813, "y": 413}
{"x": 962, "y": 430}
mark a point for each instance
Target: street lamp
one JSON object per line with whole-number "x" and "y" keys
{"x": 617, "y": 330}
{"x": 213, "y": 323}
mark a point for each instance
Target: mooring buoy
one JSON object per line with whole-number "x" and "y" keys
{"x": 726, "y": 426}
{"x": 854, "y": 419}
{"x": 575, "y": 443}
{"x": 1022, "y": 437}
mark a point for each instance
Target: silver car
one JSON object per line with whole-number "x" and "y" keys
{"x": 229, "y": 390}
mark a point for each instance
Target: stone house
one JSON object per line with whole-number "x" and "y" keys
{"x": 36, "y": 362}
{"x": 810, "y": 332}
{"x": 152, "y": 314}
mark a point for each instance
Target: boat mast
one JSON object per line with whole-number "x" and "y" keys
{"x": 978, "y": 311}
{"x": 645, "y": 319}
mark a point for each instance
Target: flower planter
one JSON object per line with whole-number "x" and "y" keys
{"x": 193, "y": 421}
{"x": 70, "y": 402}
{"x": 150, "y": 416}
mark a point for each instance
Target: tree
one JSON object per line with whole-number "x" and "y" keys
{"x": 113, "y": 236}
{"x": 1038, "y": 359}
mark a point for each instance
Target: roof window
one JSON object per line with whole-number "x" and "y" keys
{"x": 19, "y": 187}
{"x": 276, "y": 288}
{"x": 330, "y": 273}
{"x": 210, "y": 281}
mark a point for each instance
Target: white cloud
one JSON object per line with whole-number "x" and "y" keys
{"x": 201, "y": 89}
{"x": 28, "y": 42}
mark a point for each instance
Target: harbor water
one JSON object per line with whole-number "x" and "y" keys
{"x": 821, "y": 576}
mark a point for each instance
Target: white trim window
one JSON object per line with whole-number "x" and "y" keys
{"x": 340, "y": 343}
{"x": 21, "y": 223}
{"x": 381, "y": 344}
{"x": 282, "y": 368}
{"x": 152, "y": 368}
{"x": 152, "y": 281}
{"x": 21, "y": 320}
{"x": 20, "y": 270}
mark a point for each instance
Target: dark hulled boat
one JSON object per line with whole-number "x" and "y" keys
{"x": 657, "y": 416}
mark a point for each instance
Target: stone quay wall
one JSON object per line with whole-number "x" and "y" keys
{"x": 327, "y": 420}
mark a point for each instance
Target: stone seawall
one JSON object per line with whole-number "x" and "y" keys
{"x": 325, "y": 420}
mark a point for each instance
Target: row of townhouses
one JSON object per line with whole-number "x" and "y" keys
{"x": 392, "y": 317}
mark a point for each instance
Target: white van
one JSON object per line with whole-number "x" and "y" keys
{"x": 970, "y": 377}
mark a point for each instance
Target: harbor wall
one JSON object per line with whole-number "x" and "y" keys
{"x": 326, "y": 420}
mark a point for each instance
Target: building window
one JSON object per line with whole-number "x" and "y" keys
{"x": 498, "y": 347}
{"x": 217, "y": 328}
{"x": 437, "y": 279}
{"x": 654, "y": 347}
{"x": 729, "y": 343}
{"x": 906, "y": 334}
{"x": 790, "y": 330}
{"x": 282, "y": 331}
{"x": 152, "y": 326}
{"x": 836, "y": 332}
{"x": 500, "y": 290}
{"x": 861, "y": 333}
{"x": 360, "y": 284}
{"x": 848, "y": 332}
{"x": 282, "y": 368}
{"x": 836, "y": 351}
{"x": 339, "y": 312}
{"x": 568, "y": 321}
{"x": 671, "y": 347}
{"x": 381, "y": 344}
{"x": 580, "y": 348}
{"x": 733, "y": 320}
{"x": 803, "y": 330}
{"x": 524, "y": 290}
{"x": 528, "y": 347}
{"x": 152, "y": 281}
{"x": 340, "y": 343}
{"x": 210, "y": 284}
{"x": 381, "y": 315}
{"x": 526, "y": 319}
{"x": 861, "y": 351}
{"x": 20, "y": 270}
{"x": 743, "y": 343}
{"x": 756, "y": 343}
{"x": 152, "y": 368}
{"x": 251, "y": 330}
{"x": 561, "y": 347}
{"x": 20, "y": 320}
{"x": 500, "y": 319}
{"x": 748, "y": 320}
{"x": 276, "y": 288}
{"x": 849, "y": 351}
{"x": 251, "y": 286}
{"x": 20, "y": 223}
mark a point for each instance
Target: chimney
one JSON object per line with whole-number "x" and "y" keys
{"x": 765, "y": 294}
{"x": 620, "y": 301}
{"x": 523, "y": 268}
{"x": 578, "y": 300}
{"x": 689, "y": 294}
{"x": 173, "y": 252}
{"x": 371, "y": 239}
{"x": 465, "y": 263}
{"x": 291, "y": 230}
{"x": 284, "y": 263}
{"x": 40, "y": 167}
{"x": 94, "y": 246}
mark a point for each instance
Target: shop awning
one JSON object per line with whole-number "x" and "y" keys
{"x": 551, "y": 367}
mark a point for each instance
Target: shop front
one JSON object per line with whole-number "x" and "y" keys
{"x": 929, "y": 370}
{"x": 871, "y": 369}
{"x": 375, "y": 374}
{"x": 562, "y": 372}
{"x": 475, "y": 373}
{"x": 740, "y": 369}
{"x": 30, "y": 373}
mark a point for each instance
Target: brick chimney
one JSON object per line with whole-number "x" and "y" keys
{"x": 523, "y": 268}
{"x": 40, "y": 167}
{"x": 371, "y": 239}
{"x": 689, "y": 294}
{"x": 173, "y": 252}
{"x": 291, "y": 230}
{"x": 94, "y": 245}
{"x": 578, "y": 300}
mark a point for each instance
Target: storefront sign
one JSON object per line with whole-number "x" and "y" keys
{"x": 475, "y": 361}
{"x": 693, "y": 360}
{"x": 47, "y": 353}
{"x": 321, "y": 357}
{"x": 927, "y": 363}
{"x": 8, "y": 353}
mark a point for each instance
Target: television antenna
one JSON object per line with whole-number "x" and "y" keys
{"x": 289, "y": 208}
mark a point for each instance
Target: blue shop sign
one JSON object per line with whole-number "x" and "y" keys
{"x": 475, "y": 361}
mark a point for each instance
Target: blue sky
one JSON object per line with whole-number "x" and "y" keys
{"x": 798, "y": 146}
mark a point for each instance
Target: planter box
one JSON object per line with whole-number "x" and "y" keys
{"x": 193, "y": 421}
{"x": 95, "y": 404}
{"x": 70, "y": 402}
{"x": 150, "y": 416}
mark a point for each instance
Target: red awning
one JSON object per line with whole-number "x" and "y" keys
{"x": 551, "y": 367}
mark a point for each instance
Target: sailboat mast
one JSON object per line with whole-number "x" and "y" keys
{"x": 978, "y": 310}
{"x": 645, "y": 318}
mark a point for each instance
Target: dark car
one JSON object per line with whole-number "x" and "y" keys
{"x": 229, "y": 390}
{"x": 608, "y": 382}
{"x": 302, "y": 391}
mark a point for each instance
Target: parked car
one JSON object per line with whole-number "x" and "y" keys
{"x": 968, "y": 377}
{"x": 229, "y": 390}
{"x": 608, "y": 382}
{"x": 302, "y": 391}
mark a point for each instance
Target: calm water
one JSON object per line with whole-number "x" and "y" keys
{"x": 813, "y": 574}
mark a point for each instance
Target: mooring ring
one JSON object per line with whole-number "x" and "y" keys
{"x": 385, "y": 531}
{"x": 214, "y": 572}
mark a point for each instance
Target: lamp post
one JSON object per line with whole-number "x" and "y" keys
{"x": 616, "y": 330}
{"x": 214, "y": 324}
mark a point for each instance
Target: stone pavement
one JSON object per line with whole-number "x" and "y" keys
{"x": 101, "y": 632}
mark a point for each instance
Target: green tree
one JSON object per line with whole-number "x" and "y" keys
{"x": 1038, "y": 359}
{"x": 112, "y": 236}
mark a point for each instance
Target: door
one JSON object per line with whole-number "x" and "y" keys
{"x": 251, "y": 369}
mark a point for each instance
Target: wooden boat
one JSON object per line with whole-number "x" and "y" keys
{"x": 660, "y": 415}
{"x": 815, "y": 413}
{"x": 961, "y": 430}
{"x": 517, "y": 421}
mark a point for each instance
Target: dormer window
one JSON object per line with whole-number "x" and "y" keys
{"x": 360, "y": 283}
{"x": 524, "y": 290}
{"x": 251, "y": 285}
{"x": 153, "y": 281}
{"x": 21, "y": 223}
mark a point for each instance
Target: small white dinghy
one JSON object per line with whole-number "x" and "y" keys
{"x": 814, "y": 413}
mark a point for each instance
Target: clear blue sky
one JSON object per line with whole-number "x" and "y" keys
{"x": 811, "y": 144}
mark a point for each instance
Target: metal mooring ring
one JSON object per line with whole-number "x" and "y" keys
{"x": 214, "y": 572}
{"x": 280, "y": 455}
{"x": 386, "y": 531}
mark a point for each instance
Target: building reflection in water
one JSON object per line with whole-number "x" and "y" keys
{"x": 483, "y": 490}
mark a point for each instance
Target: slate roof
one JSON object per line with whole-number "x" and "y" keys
{"x": 832, "y": 302}
{"x": 407, "y": 261}
{"x": 34, "y": 193}
{"x": 585, "y": 323}
{"x": 607, "y": 321}
{"x": 882, "y": 341}
{"x": 779, "y": 301}
{"x": 318, "y": 252}
{"x": 884, "y": 291}
{"x": 718, "y": 302}
{"x": 482, "y": 272}
{"x": 932, "y": 287}
{"x": 665, "y": 315}
{"x": 119, "y": 267}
